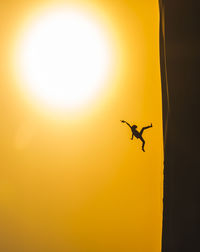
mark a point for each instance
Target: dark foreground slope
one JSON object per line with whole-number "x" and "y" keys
{"x": 181, "y": 121}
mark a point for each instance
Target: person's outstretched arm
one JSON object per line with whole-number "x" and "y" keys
{"x": 126, "y": 123}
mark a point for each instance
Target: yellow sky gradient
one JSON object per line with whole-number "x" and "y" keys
{"x": 75, "y": 182}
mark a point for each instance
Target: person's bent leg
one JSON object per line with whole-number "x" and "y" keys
{"x": 143, "y": 143}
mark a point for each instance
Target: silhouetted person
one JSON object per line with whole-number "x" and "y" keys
{"x": 136, "y": 133}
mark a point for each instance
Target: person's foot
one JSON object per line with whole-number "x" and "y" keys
{"x": 131, "y": 138}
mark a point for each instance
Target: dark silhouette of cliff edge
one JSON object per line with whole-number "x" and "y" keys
{"x": 180, "y": 76}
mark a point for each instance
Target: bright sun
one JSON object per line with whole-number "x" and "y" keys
{"x": 65, "y": 58}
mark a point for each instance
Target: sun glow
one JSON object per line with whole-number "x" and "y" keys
{"x": 65, "y": 58}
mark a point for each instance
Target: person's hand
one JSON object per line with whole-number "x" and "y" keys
{"x": 122, "y": 121}
{"x": 151, "y": 125}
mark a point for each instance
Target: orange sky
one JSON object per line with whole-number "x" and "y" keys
{"x": 76, "y": 182}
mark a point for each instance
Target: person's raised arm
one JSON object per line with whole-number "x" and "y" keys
{"x": 126, "y": 123}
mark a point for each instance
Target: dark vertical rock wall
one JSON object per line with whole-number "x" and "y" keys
{"x": 180, "y": 76}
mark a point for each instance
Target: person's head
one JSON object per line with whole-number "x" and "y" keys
{"x": 134, "y": 127}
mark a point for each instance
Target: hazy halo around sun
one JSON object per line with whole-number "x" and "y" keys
{"x": 65, "y": 57}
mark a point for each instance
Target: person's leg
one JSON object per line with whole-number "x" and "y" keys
{"x": 143, "y": 143}
{"x": 144, "y": 128}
